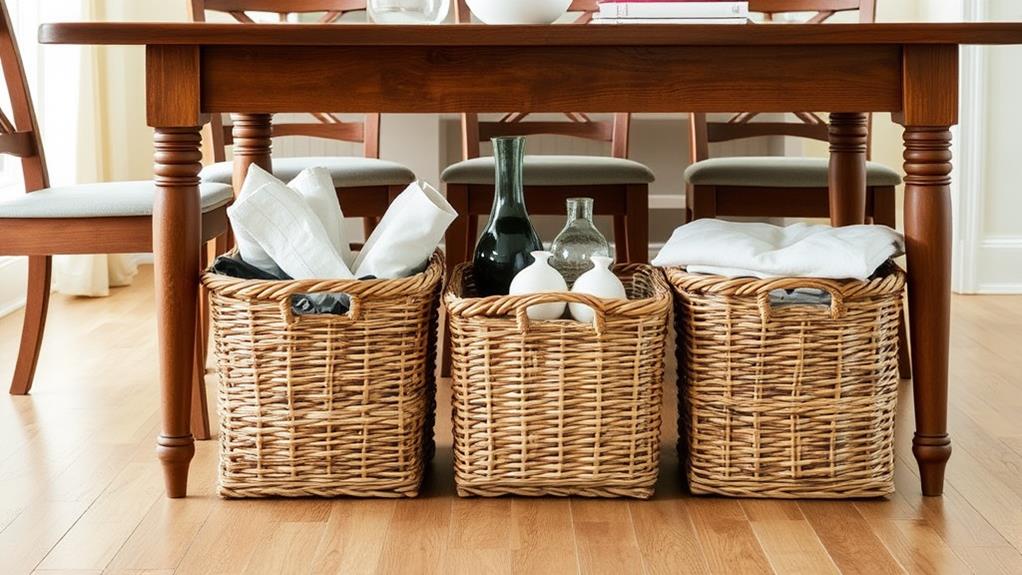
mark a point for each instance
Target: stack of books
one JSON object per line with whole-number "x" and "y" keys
{"x": 672, "y": 12}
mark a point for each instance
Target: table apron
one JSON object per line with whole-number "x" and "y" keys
{"x": 419, "y": 79}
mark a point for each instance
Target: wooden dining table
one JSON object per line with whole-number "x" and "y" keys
{"x": 254, "y": 71}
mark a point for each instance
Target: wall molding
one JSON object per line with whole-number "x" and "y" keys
{"x": 969, "y": 184}
{"x": 14, "y": 271}
{"x": 998, "y": 265}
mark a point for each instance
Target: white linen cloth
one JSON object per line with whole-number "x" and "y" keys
{"x": 275, "y": 226}
{"x": 759, "y": 250}
{"x": 316, "y": 186}
{"x": 406, "y": 237}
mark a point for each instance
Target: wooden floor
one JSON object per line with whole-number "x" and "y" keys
{"x": 81, "y": 490}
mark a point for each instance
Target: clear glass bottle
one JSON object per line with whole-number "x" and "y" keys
{"x": 506, "y": 245}
{"x": 578, "y": 242}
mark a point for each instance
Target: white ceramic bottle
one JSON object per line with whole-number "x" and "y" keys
{"x": 540, "y": 278}
{"x": 599, "y": 282}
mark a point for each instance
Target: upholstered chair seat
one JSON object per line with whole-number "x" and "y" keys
{"x": 777, "y": 172}
{"x": 103, "y": 200}
{"x": 555, "y": 171}
{"x": 347, "y": 172}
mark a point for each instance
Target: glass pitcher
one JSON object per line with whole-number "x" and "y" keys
{"x": 408, "y": 11}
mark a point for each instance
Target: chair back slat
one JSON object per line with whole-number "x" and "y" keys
{"x": 601, "y": 131}
{"x": 19, "y": 133}
{"x": 325, "y": 125}
{"x": 717, "y": 132}
{"x": 577, "y": 124}
{"x": 823, "y": 9}
{"x": 285, "y": 6}
{"x": 807, "y": 125}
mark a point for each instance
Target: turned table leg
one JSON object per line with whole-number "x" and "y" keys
{"x": 252, "y": 143}
{"x": 928, "y": 239}
{"x": 176, "y": 244}
{"x": 847, "y": 135}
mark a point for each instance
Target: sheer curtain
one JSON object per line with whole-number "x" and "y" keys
{"x": 79, "y": 143}
{"x": 69, "y": 85}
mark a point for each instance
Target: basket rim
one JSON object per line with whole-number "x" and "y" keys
{"x": 507, "y": 305}
{"x": 282, "y": 290}
{"x": 890, "y": 279}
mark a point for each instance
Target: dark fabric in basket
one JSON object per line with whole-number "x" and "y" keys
{"x": 301, "y": 304}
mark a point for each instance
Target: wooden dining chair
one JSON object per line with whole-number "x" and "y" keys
{"x": 778, "y": 186}
{"x": 365, "y": 185}
{"x": 102, "y": 218}
{"x": 619, "y": 186}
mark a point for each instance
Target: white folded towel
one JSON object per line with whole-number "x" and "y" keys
{"x": 258, "y": 231}
{"x": 762, "y": 250}
{"x": 407, "y": 235}
{"x": 248, "y": 246}
{"x": 317, "y": 186}
{"x": 282, "y": 225}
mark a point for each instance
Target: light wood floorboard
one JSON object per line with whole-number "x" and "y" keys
{"x": 81, "y": 491}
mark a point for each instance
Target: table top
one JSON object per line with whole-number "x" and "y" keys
{"x": 124, "y": 33}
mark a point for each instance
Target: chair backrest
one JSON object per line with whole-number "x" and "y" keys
{"x": 19, "y": 138}
{"x": 578, "y": 125}
{"x": 324, "y": 124}
{"x": 807, "y": 124}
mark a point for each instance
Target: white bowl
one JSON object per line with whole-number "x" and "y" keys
{"x": 519, "y": 11}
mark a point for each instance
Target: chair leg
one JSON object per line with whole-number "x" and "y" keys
{"x": 638, "y": 223}
{"x": 203, "y": 323}
{"x": 457, "y": 244}
{"x": 200, "y": 409}
{"x": 904, "y": 352}
{"x": 222, "y": 244}
{"x": 369, "y": 224}
{"x": 620, "y": 239}
{"x": 471, "y": 235}
{"x": 702, "y": 202}
{"x": 885, "y": 214}
{"x": 456, "y": 238}
{"x": 40, "y": 270}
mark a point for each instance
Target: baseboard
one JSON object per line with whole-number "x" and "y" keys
{"x": 998, "y": 265}
{"x": 142, "y": 259}
{"x": 654, "y": 249}
{"x": 666, "y": 202}
{"x": 14, "y": 274}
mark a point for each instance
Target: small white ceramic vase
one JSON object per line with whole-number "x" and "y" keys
{"x": 599, "y": 282}
{"x": 540, "y": 278}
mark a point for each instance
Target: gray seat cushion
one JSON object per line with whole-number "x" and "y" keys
{"x": 347, "y": 172}
{"x": 777, "y": 172}
{"x": 555, "y": 171}
{"x": 104, "y": 200}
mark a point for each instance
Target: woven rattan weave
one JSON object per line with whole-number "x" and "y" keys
{"x": 558, "y": 407}
{"x": 325, "y": 405}
{"x": 788, "y": 401}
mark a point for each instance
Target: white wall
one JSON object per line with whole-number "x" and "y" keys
{"x": 988, "y": 203}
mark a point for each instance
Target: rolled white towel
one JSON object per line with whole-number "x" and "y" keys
{"x": 409, "y": 232}
{"x": 317, "y": 186}
{"x": 248, "y": 246}
{"x": 738, "y": 249}
{"x": 280, "y": 222}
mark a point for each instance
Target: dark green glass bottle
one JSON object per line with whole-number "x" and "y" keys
{"x": 509, "y": 239}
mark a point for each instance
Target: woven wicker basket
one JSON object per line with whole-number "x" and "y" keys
{"x": 788, "y": 401}
{"x": 558, "y": 407}
{"x": 325, "y": 405}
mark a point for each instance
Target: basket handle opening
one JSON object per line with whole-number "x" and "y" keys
{"x": 836, "y": 309}
{"x": 291, "y": 319}
{"x": 523, "y": 303}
